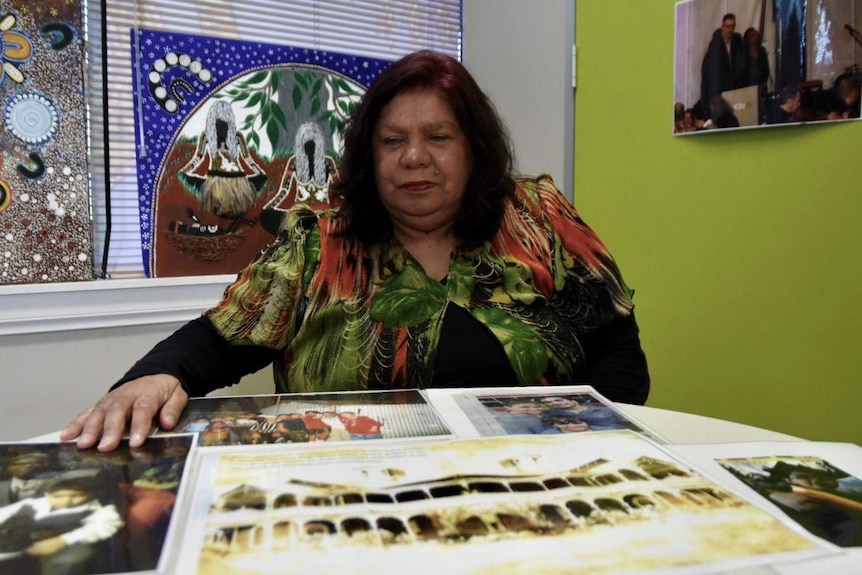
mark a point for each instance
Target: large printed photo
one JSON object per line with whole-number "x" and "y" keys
{"x": 606, "y": 503}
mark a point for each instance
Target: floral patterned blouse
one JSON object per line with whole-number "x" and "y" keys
{"x": 349, "y": 317}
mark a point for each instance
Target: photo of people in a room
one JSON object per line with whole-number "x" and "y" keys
{"x": 312, "y": 418}
{"x": 546, "y": 412}
{"x": 749, "y": 63}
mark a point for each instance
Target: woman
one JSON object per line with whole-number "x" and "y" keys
{"x": 436, "y": 269}
{"x": 756, "y": 59}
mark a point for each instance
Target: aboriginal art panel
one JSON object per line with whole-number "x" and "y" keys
{"x": 45, "y": 233}
{"x": 230, "y": 134}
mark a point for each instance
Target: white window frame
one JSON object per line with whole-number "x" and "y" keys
{"x": 45, "y": 308}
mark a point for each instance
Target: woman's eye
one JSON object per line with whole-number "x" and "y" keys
{"x": 391, "y": 140}
{"x": 438, "y": 137}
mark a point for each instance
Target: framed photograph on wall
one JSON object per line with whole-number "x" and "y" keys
{"x": 750, "y": 63}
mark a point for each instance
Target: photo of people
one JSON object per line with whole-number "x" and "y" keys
{"x": 311, "y": 418}
{"x": 748, "y": 63}
{"x": 819, "y": 496}
{"x": 69, "y": 511}
{"x": 549, "y": 412}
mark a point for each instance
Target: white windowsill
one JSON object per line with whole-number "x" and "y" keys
{"x": 40, "y": 308}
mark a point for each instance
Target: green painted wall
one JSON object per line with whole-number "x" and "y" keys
{"x": 743, "y": 247}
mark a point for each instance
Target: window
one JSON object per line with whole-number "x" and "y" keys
{"x": 384, "y": 29}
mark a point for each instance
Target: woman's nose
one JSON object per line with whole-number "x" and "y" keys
{"x": 416, "y": 155}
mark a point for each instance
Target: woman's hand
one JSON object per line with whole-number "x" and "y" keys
{"x": 138, "y": 401}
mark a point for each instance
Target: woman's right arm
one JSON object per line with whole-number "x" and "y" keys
{"x": 254, "y": 322}
{"x": 193, "y": 361}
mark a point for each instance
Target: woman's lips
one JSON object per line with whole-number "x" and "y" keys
{"x": 417, "y": 186}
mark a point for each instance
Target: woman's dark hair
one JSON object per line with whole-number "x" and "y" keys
{"x": 490, "y": 182}
{"x": 749, "y": 34}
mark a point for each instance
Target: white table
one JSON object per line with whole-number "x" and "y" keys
{"x": 685, "y": 428}
{"x": 679, "y": 427}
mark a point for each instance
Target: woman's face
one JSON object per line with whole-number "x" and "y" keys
{"x": 422, "y": 161}
{"x": 753, "y": 39}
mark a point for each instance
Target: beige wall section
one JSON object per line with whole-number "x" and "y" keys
{"x": 743, "y": 247}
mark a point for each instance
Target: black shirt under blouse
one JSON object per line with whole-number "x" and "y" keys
{"x": 468, "y": 355}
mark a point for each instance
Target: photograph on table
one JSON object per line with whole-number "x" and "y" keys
{"x": 310, "y": 418}
{"x": 749, "y": 63}
{"x": 605, "y": 503}
{"x": 544, "y": 411}
{"x": 65, "y": 510}
{"x": 824, "y": 499}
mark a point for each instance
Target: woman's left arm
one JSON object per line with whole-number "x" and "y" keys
{"x": 616, "y": 363}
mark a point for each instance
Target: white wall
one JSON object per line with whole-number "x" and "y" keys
{"x": 520, "y": 53}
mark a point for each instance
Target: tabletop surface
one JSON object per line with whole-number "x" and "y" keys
{"x": 680, "y": 427}
{"x": 686, "y": 428}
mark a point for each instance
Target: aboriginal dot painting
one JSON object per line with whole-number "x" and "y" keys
{"x": 44, "y": 185}
{"x": 230, "y": 134}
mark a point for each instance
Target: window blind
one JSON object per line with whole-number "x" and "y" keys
{"x": 384, "y": 29}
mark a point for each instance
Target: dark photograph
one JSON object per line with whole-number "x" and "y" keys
{"x": 822, "y": 498}
{"x": 70, "y": 511}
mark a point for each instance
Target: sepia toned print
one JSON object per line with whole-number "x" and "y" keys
{"x": 458, "y": 507}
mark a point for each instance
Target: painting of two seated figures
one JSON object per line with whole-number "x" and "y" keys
{"x": 749, "y": 63}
